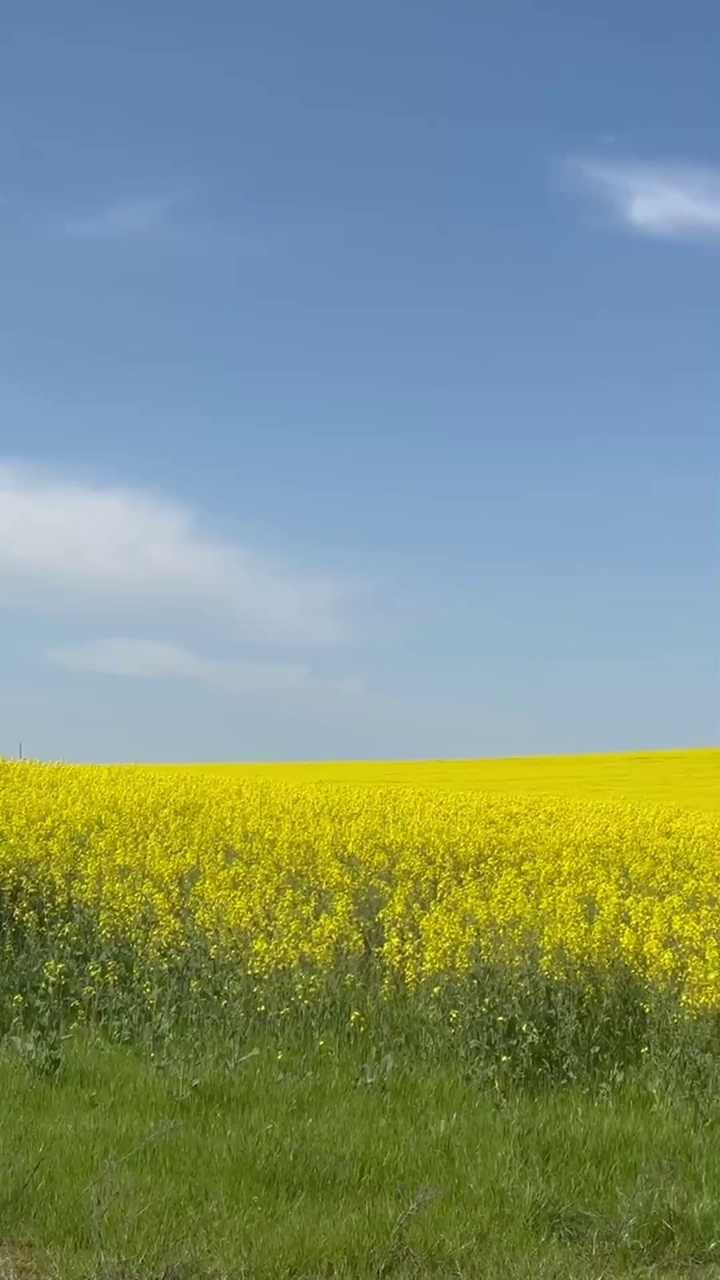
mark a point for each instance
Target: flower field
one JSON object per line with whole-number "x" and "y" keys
{"x": 687, "y": 778}
{"x": 286, "y": 878}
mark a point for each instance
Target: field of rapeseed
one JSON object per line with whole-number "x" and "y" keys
{"x": 254, "y": 1020}
{"x": 689, "y": 778}
{"x": 307, "y": 880}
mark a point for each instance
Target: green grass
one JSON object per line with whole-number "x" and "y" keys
{"x": 222, "y": 1165}
{"x": 173, "y": 1125}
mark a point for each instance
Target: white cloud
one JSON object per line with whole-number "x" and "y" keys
{"x": 294, "y": 690}
{"x": 74, "y": 545}
{"x": 151, "y": 659}
{"x": 674, "y": 202}
{"x": 96, "y": 551}
{"x": 138, "y": 217}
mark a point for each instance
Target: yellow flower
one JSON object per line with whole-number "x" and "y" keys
{"x": 286, "y": 875}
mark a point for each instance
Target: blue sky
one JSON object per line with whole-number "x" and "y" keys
{"x": 358, "y": 379}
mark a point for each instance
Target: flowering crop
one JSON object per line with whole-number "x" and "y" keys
{"x": 690, "y": 778}
{"x": 282, "y": 876}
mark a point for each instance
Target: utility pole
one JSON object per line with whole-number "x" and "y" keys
{"x": 20, "y": 755}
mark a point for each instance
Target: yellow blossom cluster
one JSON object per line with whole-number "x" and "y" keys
{"x": 430, "y": 881}
{"x": 689, "y": 777}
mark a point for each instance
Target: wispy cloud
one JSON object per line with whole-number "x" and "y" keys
{"x": 152, "y": 659}
{"x": 291, "y": 689}
{"x": 671, "y": 201}
{"x": 99, "y": 552}
{"x": 74, "y": 545}
{"x": 145, "y": 216}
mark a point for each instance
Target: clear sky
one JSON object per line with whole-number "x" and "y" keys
{"x": 359, "y": 379}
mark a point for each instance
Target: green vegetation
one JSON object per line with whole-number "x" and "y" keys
{"x": 307, "y": 1165}
{"x": 515, "y": 1127}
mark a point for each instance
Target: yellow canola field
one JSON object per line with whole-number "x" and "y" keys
{"x": 277, "y": 874}
{"x": 690, "y": 778}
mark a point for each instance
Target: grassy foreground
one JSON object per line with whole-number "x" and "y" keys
{"x": 517, "y": 1128}
{"x": 310, "y": 1161}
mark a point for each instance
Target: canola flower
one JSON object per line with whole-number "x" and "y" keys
{"x": 282, "y": 875}
{"x": 690, "y": 778}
